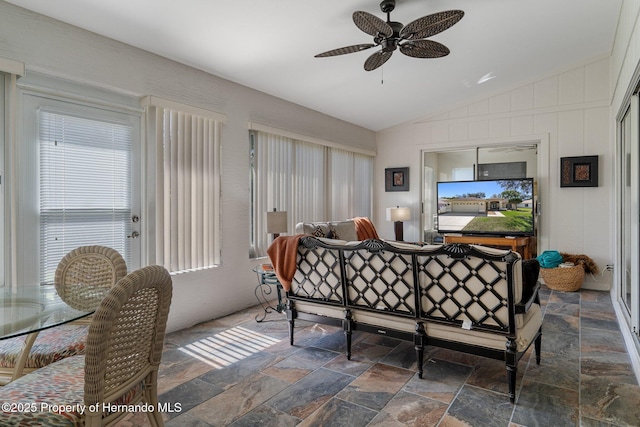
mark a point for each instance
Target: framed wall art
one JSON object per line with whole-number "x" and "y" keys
{"x": 579, "y": 171}
{"x": 396, "y": 179}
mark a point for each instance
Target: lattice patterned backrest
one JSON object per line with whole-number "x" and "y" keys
{"x": 471, "y": 286}
{"x": 379, "y": 276}
{"x": 318, "y": 274}
{"x": 466, "y": 283}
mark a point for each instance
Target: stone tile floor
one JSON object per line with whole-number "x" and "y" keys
{"x": 235, "y": 371}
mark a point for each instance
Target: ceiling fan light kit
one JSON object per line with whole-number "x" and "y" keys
{"x": 391, "y": 35}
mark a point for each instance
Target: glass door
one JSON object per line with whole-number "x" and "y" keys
{"x": 629, "y": 191}
{"x": 79, "y": 183}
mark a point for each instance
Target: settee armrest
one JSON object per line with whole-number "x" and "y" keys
{"x": 524, "y": 305}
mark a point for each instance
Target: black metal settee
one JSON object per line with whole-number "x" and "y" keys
{"x": 461, "y": 297}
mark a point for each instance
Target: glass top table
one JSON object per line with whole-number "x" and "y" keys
{"x": 28, "y": 309}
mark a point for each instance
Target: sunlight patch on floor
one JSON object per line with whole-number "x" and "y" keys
{"x": 228, "y": 347}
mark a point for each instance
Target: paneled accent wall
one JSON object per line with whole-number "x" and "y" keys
{"x": 568, "y": 113}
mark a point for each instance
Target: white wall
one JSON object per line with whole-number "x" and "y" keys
{"x": 568, "y": 113}
{"x": 62, "y": 50}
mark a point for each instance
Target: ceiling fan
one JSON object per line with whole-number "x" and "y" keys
{"x": 392, "y": 35}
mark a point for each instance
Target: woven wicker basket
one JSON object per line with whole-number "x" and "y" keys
{"x": 566, "y": 279}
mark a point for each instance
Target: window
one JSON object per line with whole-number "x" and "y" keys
{"x": 85, "y": 186}
{"x": 309, "y": 180}
{"x": 186, "y": 185}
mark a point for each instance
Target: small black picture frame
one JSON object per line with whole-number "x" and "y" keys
{"x": 396, "y": 179}
{"x": 579, "y": 171}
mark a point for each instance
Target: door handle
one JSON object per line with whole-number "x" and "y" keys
{"x": 134, "y": 235}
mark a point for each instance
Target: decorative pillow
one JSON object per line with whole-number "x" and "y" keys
{"x": 317, "y": 232}
{"x": 345, "y": 229}
{"x": 331, "y": 234}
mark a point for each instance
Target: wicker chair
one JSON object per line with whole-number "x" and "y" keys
{"x": 120, "y": 369}
{"x": 82, "y": 278}
{"x": 85, "y": 274}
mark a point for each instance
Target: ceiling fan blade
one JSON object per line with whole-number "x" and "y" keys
{"x": 424, "y": 49}
{"x": 376, "y": 60}
{"x": 344, "y": 50}
{"x": 430, "y": 25}
{"x": 371, "y": 24}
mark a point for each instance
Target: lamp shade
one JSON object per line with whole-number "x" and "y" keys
{"x": 277, "y": 222}
{"x": 398, "y": 214}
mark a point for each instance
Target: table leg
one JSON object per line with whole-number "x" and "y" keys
{"x": 18, "y": 369}
{"x": 262, "y": 293}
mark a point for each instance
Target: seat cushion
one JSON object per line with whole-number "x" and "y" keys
{"x": 528, "y": 325}
{"x": 59, "y": 383}
{"x": 51, "y": 345}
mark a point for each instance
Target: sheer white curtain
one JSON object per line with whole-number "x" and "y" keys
{"x": 187, "y": 185}
{"x": 311, "y": 181}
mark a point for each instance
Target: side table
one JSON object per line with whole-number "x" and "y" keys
{"x": 267, "y": 281}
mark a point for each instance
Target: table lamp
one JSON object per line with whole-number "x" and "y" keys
{"x": 276, "y": 222}
{"x": 398, "y": 215}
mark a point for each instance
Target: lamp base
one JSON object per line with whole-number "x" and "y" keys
{"x": 399, "y": 231}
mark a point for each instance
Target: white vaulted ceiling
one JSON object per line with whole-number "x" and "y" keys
{"x": 270, "y": 46}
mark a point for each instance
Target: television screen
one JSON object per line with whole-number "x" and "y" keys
{"x": 501, "y": 207}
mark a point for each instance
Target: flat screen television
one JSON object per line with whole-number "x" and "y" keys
{"x": 500, "y": 207}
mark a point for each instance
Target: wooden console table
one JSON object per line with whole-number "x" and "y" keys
{"x": 518, "y": 244}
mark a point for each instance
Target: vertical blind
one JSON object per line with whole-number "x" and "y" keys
{"x": 188, "y": 188}
{"x": 351, "y": 184}
{"x": 312, "y": 182}
{"x": 85, "y": 186}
